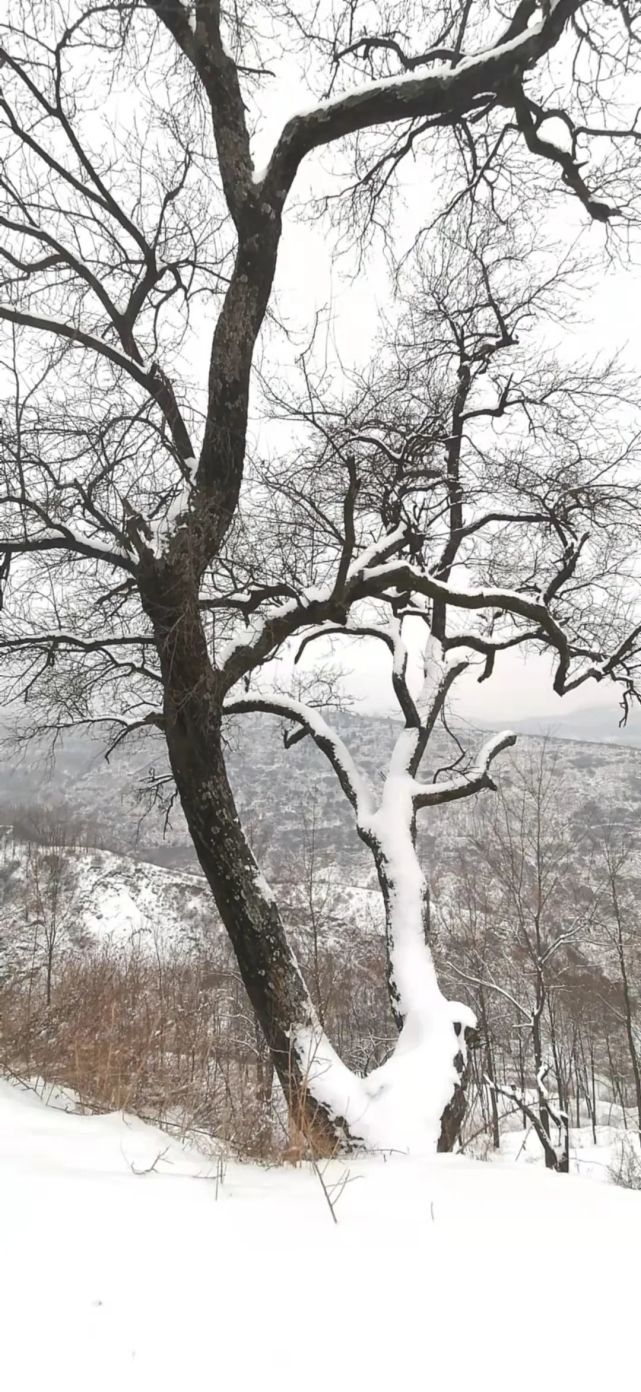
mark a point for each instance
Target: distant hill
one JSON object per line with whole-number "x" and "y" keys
{"x": 289, "y": 800}
{"x": 598, "y": 725}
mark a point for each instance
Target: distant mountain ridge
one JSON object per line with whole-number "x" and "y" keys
{"x": 596, "y": 725}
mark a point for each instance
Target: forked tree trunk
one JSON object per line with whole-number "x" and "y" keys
{"x": 395, "y": 1106}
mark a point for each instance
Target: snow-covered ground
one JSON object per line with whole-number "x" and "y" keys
{"x": 129, "y": 1262}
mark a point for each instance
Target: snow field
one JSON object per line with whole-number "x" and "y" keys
{"x": 439, "y": 1271}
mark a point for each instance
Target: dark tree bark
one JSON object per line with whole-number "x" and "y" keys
{"x": 193, "y": 730}
{"x": 454, "y": 1114}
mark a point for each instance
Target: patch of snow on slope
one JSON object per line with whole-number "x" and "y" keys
{"x": 109, "y": 897}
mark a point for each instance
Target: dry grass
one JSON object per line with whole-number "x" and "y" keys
{"x": 165, "y": 1036}
{"x": 168, "y": 1033}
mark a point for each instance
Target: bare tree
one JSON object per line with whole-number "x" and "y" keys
{"x": 51, "y": 886}
{"x": 527, "y": 922}
{"x": 135, "y": 227}
{"x": 44, "y": 899}
{"x": 621, "y": 928}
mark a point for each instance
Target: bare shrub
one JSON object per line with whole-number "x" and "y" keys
{"x": 625, "y": 1170}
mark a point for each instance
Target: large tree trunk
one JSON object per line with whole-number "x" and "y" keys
{"x": 411, "y": 977}
{"x": 267, "y": 964}
{"x": 268, "y": 967}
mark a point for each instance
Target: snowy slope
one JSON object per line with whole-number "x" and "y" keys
{"x": 98, "y": 896}
{"x": 122, "y": 898}
{"x": 106, "y": 897}
{"x": 443, "y": 1272}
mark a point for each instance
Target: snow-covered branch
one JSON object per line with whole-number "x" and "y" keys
{"x": 59, "y": 329}
{"x": 554, "y": 1160}
{"x": 410, "y": 578}
{"x": 442, "y": 95}
{"x": 319, "y": 607}
{"x": 309, "y": 720}
{"x": 68, "y": 540}
{"x": 491, "y": 986}
{"x": 475, "y": 780}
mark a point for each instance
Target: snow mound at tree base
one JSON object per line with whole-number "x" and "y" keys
{"x": 130, "y": 1262}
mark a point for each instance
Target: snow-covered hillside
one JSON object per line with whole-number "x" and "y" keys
{"x": 293, "y": 812}
{"x": 132, "y": 1263}
{"x": 100, "y": 896}
{"x": 289, "y": 797}
{"x": 93, "y": 896}
{"x": 120, "y": 1037}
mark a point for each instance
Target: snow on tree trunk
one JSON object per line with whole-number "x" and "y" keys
{"x": 400, "y": 1105}
{"x": 416, "y": 1085}
{"x": 407, "y": 909}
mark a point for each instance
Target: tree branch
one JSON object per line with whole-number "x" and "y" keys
{"x": 477, "y": 778}
{"x": 330, "y": 744}
{"x": 445, "y": 96}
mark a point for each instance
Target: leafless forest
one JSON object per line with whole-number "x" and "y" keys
{"x": 535, "y": 924}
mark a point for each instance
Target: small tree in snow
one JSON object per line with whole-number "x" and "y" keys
{"x": 620, "y": 925}
{"x": 146, "y": 581}
{"x": 527, "y": 921}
